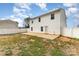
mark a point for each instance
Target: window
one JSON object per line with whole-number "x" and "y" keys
{"x": 39, "y": 19}
{"x": 32, "y": 21}
{"x": 52, "y": 16}
{"x": 41, "y": 28}
{"x": 31, "y": 28}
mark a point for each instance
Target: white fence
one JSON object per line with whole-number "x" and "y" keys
{"x": 71, "y": 32}
{"x": 12, "y": 31}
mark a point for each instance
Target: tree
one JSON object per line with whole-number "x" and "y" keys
{"x": 26, "y": 20}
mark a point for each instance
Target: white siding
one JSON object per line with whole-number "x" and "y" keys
{"x": 7, "y": 25}
{"x": 12, "y": 31}
{"x": 53, "y": 25}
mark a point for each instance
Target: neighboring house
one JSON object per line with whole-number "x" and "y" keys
{"x": 51, "y": 22}
{"x": 8, "y": 24}
{"x": 10, "y": 27}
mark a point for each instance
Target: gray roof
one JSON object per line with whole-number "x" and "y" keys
{"x": 8, "y": 21}
{"x": 48, "y": 13}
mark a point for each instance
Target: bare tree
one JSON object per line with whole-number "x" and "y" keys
{"x": 26, "y": 20}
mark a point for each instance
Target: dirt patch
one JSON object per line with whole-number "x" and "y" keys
{"x": 68, "y": 45}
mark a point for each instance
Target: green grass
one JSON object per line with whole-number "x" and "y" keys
{"x": 24, "y": 45}
{"x": 57, "y": 52}
{"x": 35, "y": 47}
{"x": 8, "y": 51}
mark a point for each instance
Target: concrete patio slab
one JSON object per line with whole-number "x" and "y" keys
{"x": 43, "y": 35}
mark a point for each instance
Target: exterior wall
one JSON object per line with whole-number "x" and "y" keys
{"x": 8, "y": 25}
{"x": 53, "y": 25}
{"x": 12, "y": 31}
{"x": 71, "y": 32}
{"x": 63, "y": 20}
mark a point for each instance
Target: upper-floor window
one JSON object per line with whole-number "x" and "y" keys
{"x": 52, "y": 16}
{"x": 39, "y": 19}
{"x": 32, "y": 21}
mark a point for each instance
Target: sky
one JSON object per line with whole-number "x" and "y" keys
{"x": 19, "y": 11}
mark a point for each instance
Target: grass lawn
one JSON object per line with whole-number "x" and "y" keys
{"x": 24, "y": 45}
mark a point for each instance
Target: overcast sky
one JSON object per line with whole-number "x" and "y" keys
{"x": 19, "y": 11}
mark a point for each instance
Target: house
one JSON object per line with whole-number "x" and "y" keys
{"x": 51, "y": 22}
{"x": 8, "y": 24}
{"x": 10, "y": 27}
